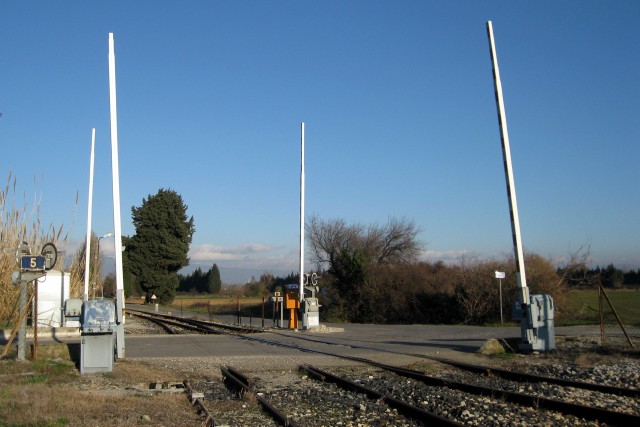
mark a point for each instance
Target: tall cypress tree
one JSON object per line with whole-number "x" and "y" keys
{"x": 214, "y": 283}
{"x": 160, "y": 245}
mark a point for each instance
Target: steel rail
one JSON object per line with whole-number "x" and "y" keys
{"x": 503, "y": 373}
{"x": 526, "y": 377}
{"x": 568, "y": 408}
{"x": 244, "y": 384}
{"x": 234, "y": 328}
{"x": 163, "y": 320}
{"x": 404, "y": 408}
{"x": 209, "y": 421}
{"x": 206, "y": 326}
{"x": 245, "y": 379}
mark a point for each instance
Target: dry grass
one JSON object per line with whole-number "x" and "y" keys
{"x": 20, "y": 223}
{"x": 53, "y": 393}
{"x": 191, "y": 302}
{"x": 224, "y": 305}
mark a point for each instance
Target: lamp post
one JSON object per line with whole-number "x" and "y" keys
{"x": 109, "y": 234}
{"x": 500, "y": 275}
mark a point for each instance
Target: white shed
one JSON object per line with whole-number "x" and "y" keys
{"x": 53, "y": 290}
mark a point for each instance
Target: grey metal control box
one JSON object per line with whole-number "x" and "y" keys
{"x": 310, "y": 313}
{"x": 538, "y": 327}
{"x": 72, "y": 312}
{"x": 310, "y": 307}
{"x": 97, "y": 345}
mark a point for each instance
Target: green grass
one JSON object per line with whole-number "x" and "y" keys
{"x": 584, "y": 307}
{"x": 36, "y": 379}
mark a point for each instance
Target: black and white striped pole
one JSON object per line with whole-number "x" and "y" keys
{"x": 527, "y": 331}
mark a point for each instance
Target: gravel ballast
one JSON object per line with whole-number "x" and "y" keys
{"x": 311, "y": 403}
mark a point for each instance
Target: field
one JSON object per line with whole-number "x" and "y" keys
{"x": 214, "y": 304}
{"x": 584, "y": 307}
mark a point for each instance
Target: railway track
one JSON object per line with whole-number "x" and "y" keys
{"x": 290, "y": 406}
{"x": 176, "y": 325}
{"x": 508, "y": 374}
{"x": 456, "y": 397}
{"x": 374, "y": 396}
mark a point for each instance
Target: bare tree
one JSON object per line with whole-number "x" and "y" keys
{"x": 328, "y": 238}
{"x": 394, "y": 242}
{"x": 475, "y": 291}
{"x": 574, "y": 272}
{"x": 359, "y": 260}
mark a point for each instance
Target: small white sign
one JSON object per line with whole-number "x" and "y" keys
{"x": 154, "y": 297}
{"x": 500, "y": 274}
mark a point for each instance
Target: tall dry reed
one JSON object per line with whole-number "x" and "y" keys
{"x": 78, "y": 270}
{"x": 21, "y": 222}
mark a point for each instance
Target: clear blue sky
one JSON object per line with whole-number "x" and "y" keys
{"x": 398, "y": 103}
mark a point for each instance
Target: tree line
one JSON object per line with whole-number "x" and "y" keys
{"x": 370, "y": 273}
{"x": 198, "y": 281}
{"x": 609, "y": 276}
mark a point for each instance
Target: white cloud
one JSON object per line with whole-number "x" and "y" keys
{"x": 444, "y": 255}
{"x": 246, "y": 255}
{"x": 107, "y": 247}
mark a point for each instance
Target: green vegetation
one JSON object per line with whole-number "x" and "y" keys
{"x": 371, "y": 274}
{"x": 36, "y": 379}
{"x": 198, "y": 281}
{"x": 609, "y": 277}
{"x": 584, "y": 307}
{"x": 158, "y": 250}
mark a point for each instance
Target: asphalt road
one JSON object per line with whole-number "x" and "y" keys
{"x": 384, "y": 343}
{"x": 378, "y": 342}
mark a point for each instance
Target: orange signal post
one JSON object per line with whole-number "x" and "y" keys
{"x": 292, "y": 303}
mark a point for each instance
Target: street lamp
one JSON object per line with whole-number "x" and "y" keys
{"x": 109, "y": 234}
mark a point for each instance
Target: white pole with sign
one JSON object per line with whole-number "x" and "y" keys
{"x": 500, "y": 275}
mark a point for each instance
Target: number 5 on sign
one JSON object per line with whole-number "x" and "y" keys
{"x": 32, "y": 263}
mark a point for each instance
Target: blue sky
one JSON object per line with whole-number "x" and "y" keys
{"x": 398, "y": 104}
